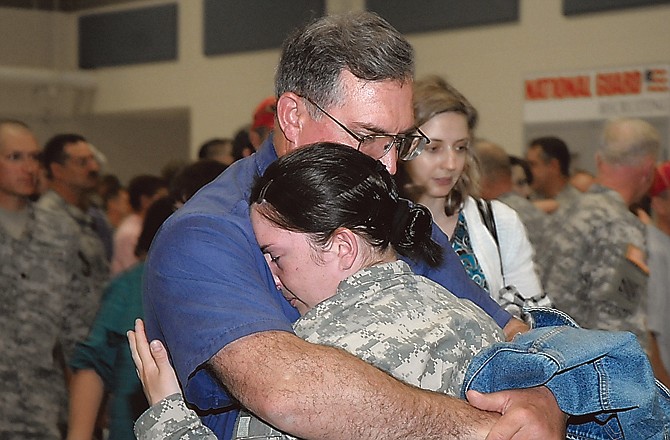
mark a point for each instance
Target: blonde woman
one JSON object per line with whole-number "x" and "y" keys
{"x": 490, "y": 239}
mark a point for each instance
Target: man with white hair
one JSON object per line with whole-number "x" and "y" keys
{"x": 594, "y": 262}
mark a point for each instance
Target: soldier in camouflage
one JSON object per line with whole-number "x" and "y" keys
{"x": 37, "y": 299}
{"x": 496, "y": 183}
{"x": 549, "y": 161}
{"x": 73, "y": 171}
{"x": 594, "y": 261}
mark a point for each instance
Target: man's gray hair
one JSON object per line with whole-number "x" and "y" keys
{"x": 363, "y": 43}
{"x": 625, "y": 141}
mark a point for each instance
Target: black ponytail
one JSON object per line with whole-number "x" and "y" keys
{"x": 411, "y": 233}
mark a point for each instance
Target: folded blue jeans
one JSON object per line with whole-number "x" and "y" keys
{"x": 602, "y": 379}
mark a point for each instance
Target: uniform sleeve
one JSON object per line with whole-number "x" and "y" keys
{"x": 171, "y": 419}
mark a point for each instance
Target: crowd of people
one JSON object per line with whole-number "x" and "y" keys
{"x": 73, "y": 244}
{"x": 356, "y": 263}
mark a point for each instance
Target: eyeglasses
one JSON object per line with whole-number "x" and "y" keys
{"x": 378, "y": 145}
{"x": 81, "y": 161}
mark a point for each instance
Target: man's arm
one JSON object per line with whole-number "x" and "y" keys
{"x": 314, "y": 391}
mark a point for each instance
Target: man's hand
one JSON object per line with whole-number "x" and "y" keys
{"x": 527, "y": 414}
{"x": 153, "y": 367}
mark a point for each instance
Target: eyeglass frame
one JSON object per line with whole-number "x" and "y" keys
{"x": 396, "y": 137}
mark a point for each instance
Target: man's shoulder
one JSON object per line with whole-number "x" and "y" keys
{"x": 51, "y": 201}
{"x": 601, "y": 209}
{"x": 527, "y": 211}
{"x": 569, "y": 194}
{"x": 51, "y": 228}
{"x": 519, "y": 203}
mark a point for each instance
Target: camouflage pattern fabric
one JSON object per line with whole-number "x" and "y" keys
{"x": 36, "y": 298}
{"x": 532, "y": 218}
{"x": 567, "y": 198}
{"x": 88, "y": 263}
{"x": 590, "y": 263}
{"x": 404, "y": 324}
{"x": 171, "y": 419}
{"x": 399, "y": 322}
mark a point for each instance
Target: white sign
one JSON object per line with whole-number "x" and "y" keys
{"x": 641, "y": 91}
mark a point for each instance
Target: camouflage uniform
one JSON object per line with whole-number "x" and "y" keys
{"x": 89, "y": 265}
{"x": 532, "y": 218}
{"x": 568, "y": 197}
{"x": 588, "y": 264}
{"x": 399, "y": 322}
{"x": 171, "y": 419}
{"x": 35, "y": 307}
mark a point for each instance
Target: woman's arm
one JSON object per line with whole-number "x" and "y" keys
{"x": 86, "y": 393}
{"x": 168, "y": 417}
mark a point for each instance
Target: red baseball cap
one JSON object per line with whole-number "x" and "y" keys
{"x": 661, "y": 179}
{"x": 264, "y": 115}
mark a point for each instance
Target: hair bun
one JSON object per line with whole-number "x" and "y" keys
{"x": 409, "y": 222}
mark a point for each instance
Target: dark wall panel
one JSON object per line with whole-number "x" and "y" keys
{"x": 245, "y": 25}
{"x": 575, "y": 7}
{"x": 431, "y": 15}
{"x": 128, "y": 37}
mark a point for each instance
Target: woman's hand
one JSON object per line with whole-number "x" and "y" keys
{"x": 153, "y": 367}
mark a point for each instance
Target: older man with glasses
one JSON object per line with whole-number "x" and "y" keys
{"x": 210, "y": 296}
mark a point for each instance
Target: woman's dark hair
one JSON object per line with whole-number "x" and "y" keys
{"x": 157, "y": 213}
{"x": 193, "y": 177}
{"x": 323, "y": 187}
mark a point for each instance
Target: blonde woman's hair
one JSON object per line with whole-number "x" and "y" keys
{"x": 433, "y": 96}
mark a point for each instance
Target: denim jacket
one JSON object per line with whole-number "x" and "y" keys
{"x": 602, "y": 379}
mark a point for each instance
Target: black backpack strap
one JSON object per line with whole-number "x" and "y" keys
{"x": 486, "y": 212}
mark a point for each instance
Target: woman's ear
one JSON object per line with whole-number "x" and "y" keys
{"x": 290, "y": 111}
{"x": 346, "y": 246}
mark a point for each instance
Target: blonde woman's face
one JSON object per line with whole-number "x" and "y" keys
{"x": 436, "y": 170}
